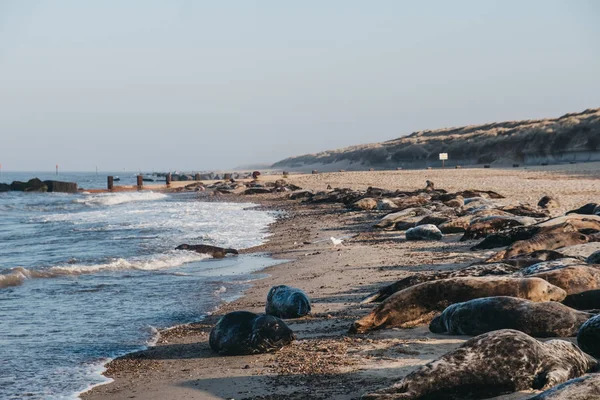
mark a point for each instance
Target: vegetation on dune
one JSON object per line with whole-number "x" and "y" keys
{"x": 512, "y": 140}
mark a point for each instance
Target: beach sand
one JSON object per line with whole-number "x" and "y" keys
{"x": 325, "y": 362}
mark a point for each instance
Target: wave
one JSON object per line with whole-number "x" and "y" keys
{"x": 16, "y": 276}
{"x": 112, "y": 199}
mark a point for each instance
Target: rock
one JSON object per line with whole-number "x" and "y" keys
{"x": 365, "y": 204}
{"x": 424, "y": 232}
{"x": 33, "y": 185}
{"x": 61, "y": 187}
{"x": 4, "y": 187}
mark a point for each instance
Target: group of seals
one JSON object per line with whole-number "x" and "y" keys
{"x": 244, "y": 332}
{"x": 214, "y": 251}
{"x": 418, "y": 304}
{"x": 493, "y": 364}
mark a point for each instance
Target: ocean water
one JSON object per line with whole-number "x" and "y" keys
{"x": 88, "y": 277}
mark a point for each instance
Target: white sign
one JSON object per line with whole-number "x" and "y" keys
{"x": 443, "y": 156}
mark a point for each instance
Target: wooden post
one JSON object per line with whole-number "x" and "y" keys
{"x": 110, "y": 183}
{"x": 197, "y": 177}
{"x": 168, "y": 179}
{"x": 140, "y": 181}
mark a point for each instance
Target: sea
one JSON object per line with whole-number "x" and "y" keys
{"x": 85, "y": 278}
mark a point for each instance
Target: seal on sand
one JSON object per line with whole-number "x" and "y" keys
{"x": 412, "y": 280}
{"x": 424, "y": 232}
{"x": 588, "y": 337}
{"x": 419, "y": 304}
{"x": 490, "y": 365}
{"x": 543, "y": 241}
{"x": 574, "y": 279}
{"x": 243, "y": 332}
{"x": 584, "y": 388}
{"x": 543, "y": 319}
{"x": 587, "y": 209}
{"x": 588, "y": 300}
{"x": 216, "y": 252}
{"x": 287, "y": 302}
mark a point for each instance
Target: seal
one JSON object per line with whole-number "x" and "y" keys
{"x": 539, "y": 319}
{"x": 593, "y": 258}
{"x": 490, "y": 365}
{"x": 542, "y": 241}
{"x": 419, "y": 304}
{"x": 287, "y": 302}
{"x": 412, "y": 280}
{"x": 482, "y": 227}
{"x": 545, "y": 266}
{"x": 588, "y": 300}
{"x": 243, "y": 332}
{"x": 214, "y": 251}
{"x": 424, "y": 232}
{"x": 584, "y": 388}
{"x": 548, "y": 202}
{"x": 573, "y": 279}
{"x": 588, "y": 337}
{"x": 587, "y": 209}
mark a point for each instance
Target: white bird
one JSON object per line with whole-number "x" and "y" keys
{"x": 335, "y": 241}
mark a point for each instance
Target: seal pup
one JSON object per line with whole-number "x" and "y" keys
{"x": 214, "y": 251}
{"x": 424, "y": 232}
{"x": 412, "y": 280}
{"x": 538, "y": 319}
{"x": 490, "y": 365}
{"x": 243, "y": 332}
{"x": 588, "y": 300}
{"x": 488, "y": 225}
{"x": 419, "y": 304}
{"x": 573, "y": 279}
{"x": 588, "y": 337}
{"x": 583, "y": 388}
{"x": 287, "y": 302}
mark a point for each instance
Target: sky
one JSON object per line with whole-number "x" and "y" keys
{"x": 199, "y": 85}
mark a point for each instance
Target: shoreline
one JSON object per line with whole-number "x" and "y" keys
{"x": 325, "y": 362}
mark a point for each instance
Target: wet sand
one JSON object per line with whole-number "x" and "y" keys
{"x": 325, "y": 362}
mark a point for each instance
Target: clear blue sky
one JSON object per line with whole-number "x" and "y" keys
{"x": 185, "y": 84}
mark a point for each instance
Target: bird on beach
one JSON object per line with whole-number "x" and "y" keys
{"x": 335, "y": 241}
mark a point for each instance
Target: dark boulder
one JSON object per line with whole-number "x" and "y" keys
{"x": 61, "y": 187}
{"x": 4, "y": 187}
{"x": 32, "y": 185}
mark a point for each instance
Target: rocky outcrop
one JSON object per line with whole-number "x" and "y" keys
{"x": 61, "y": 187}
{"x": 32, "y": 185}
{"x": 36, "y": 185}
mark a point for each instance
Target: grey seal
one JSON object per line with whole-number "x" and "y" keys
{"x": 584, "y": 388}
{"x": 539, "y": 319}
{"x": 214, "y": 251}
{"x": 492, "y": 364}
{"x": 287, "y": 302}
{"x": 588, "y": 337}
{"x": 243, "y": 332}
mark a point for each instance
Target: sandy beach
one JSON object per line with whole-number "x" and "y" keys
{"x": 326, "y": 362}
